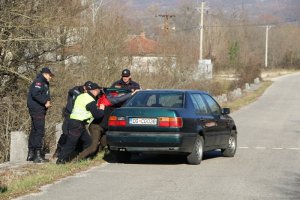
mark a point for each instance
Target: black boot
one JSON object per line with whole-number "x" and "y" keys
{"x": 56, "y": 153}
{"x": 39, "y": 157}
{"x": 31, "y": 155}
{"x": 60, "y": 161}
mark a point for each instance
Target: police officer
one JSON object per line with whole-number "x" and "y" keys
{"x": 38, "y": 101}
{"x": 84, "y": 112}
{"x": 98, "y": 127}
{"x": 125, "y": 82}
{"x": 72, "y": 95}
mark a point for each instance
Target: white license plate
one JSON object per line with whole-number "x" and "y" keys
{"x": 143, "y": 121}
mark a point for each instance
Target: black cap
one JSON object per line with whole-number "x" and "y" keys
{"x": 125, "y": 73}
{"x": 87, "y": 83}
{"x": 47, "y": 71}
{"x": 92, "y": 86}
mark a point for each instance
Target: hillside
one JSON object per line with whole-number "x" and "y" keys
{"x": 267, "y": 10}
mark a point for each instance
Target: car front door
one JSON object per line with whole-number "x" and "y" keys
{"x": 221, "y": 126}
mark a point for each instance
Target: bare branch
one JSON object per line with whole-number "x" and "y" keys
{"x": 5, "y": 69}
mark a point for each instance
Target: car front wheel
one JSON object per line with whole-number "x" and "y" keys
{"x": 232, "y": 145}
{"x": 195, "y": 157}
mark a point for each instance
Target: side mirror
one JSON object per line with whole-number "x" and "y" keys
{"x": 225, "y": 111}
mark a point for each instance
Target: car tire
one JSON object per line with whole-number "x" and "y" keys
{"x": 122, "y": 156}
{"x": 232, "y": 146}
{"x": 195, "y": 157}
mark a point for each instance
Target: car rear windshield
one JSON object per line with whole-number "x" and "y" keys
{"x": 156, "y": 99}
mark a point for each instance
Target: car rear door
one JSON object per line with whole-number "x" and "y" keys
{"x": 205, "y": 119}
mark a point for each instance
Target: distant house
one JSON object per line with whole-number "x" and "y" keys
{"x": 140, "y": 45}
{"x": 142, "y": 52}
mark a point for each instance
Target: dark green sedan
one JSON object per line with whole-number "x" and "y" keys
{"x": 185, "y": 122}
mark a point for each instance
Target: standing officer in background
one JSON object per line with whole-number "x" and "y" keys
{"x": 85, "y": 110}
{"x": 125, "y": 82}
{"x": 72, "y": 95}
{"x": 38, "y": 102}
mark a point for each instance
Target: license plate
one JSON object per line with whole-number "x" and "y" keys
{"x": 143, "y": 121}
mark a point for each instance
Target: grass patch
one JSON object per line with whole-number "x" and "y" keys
{"x": 267, "y": 74}
{"x": 247, "y": 98}
{"x": 29, "y": 178}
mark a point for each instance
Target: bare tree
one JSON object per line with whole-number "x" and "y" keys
{"x": 32, "y": 32}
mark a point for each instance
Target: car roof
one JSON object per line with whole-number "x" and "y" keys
{"x": 174, "y": 90}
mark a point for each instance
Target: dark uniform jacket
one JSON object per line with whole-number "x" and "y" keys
{"x": 129, "y": 86}
{"x": 38, "y": 95}
{"x": 92, "y": 107}
{"x": 72, "y": 95}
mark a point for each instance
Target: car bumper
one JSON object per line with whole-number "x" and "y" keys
{"x": 151, "y": 142}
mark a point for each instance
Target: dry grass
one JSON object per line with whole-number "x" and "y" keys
{"x": 29, "y": 178}
{"x": 268, "y": 74}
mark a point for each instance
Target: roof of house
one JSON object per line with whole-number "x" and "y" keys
{"x": 140, "y": 45}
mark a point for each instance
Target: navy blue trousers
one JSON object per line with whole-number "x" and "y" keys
{"x": 76, "y": 133}
{"x": 37, "y": 133}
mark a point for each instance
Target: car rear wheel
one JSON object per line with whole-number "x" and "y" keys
{"x": 232, "y": 145}
{"x": 122, "y": 156}
{"x": 195, "y": 157}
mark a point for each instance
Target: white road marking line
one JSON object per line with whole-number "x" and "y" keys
{"x": 274, "y": 148}
{"x": 260, "y": 147}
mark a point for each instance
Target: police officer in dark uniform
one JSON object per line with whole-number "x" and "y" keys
{"x": 85, "y": 110}
{"x": 72, "y": 95}
{"x": 125, "y": 82}
{"x": 38, "y": 101}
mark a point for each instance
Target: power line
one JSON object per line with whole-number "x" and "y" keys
{"x": 254, "y": 25}
{"x": 237, "y": 25}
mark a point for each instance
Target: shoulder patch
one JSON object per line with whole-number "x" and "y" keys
{"x": 38, "y": 84}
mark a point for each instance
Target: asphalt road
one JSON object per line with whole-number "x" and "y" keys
{"x": 266, "y": 166}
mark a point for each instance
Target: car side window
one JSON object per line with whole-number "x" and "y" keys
{"x": 213, "y": 105}
{"x": 199, "y": 104}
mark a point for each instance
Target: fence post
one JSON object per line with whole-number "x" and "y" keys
{"x": 18, "y": 146}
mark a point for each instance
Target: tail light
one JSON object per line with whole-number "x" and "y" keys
{"x": 174, "y": 122}
{"x": 116, "y": 121}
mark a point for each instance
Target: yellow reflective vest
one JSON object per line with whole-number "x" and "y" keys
{"x": 79, "y": 111}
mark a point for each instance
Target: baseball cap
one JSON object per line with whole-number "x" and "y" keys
{"x": 47, "y": 71}
{"x": 92, "y": 86}
{"x": 86, "y": 84}
{"x": 125, "y": 72}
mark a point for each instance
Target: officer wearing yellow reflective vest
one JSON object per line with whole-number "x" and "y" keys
{"x": 84, "y": 112}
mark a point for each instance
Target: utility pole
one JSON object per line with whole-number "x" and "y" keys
{"x": 267, "y": 44}
{"x": 166, "y": 22}
{"x": 201, "y": 30}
